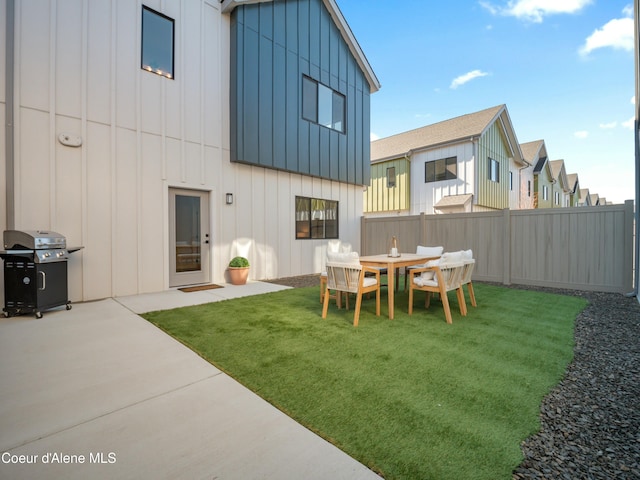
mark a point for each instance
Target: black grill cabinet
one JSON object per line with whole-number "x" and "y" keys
{"x": 35, "y": 272}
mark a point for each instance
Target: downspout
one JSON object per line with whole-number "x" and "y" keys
{"x": 476, "y": 163}
{"x": 9, "y": 106}
{"x": 636, "y": 133}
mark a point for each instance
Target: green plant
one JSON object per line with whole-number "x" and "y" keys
{"x": 239, "y": 262}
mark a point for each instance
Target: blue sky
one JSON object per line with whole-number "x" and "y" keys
{"x": 564, "y": 68}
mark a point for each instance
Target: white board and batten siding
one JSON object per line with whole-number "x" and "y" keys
{"x": 77, "y": 71}
{"x": 425, "y": 196}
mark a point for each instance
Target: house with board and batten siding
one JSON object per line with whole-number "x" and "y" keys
{"x": 468, "y": 163}
{"x": 168, "y": 137}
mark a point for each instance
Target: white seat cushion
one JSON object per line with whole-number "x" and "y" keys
{"x": 429, "y": 251}
{"x": 451, "y": 257}
{"x": 351, "y": 258}
{"x": 369, "y": 281}
{"x": 425, "y": 281}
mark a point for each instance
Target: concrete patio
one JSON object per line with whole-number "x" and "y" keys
{"x": 98, "y": 392}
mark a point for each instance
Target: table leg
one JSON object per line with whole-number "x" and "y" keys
{"x": 390, "y": 289}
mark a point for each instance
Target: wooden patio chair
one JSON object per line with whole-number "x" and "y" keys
{"x": 333, "y": 246}
{"x": 439, "y": 276}
{"x": 422, "y": 250}
{"x": 349, "y": 277}
{"x": 469, "y": 265}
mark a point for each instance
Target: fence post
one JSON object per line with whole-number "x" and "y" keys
{"x": 628, "y": 245}
{"x": 363, "y": 235}
{"x": 506, "y": 247}
{"x": 423, "y": 229}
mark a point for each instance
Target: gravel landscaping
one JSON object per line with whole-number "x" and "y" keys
{"x": 590, "y": 422}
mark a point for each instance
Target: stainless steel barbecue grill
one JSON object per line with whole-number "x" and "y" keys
{"x": 35, "y": 271}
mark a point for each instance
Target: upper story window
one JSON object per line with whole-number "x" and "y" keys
{"x": 157, "y": 42}
{"x": 494, "y": 170}
{"x": 528, "y": 188}
{"x": 442, "y": 169}
{"x": 511, "y": 181}
{"x": 391, "y": 177}
{"x": 557, "y": 198}
{"x": 322, "y": 105}
{"x": 545, "y": 192}
{"x": 316, "y": 218}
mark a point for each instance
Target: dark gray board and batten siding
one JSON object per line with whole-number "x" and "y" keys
{"x": 273, "y": 45}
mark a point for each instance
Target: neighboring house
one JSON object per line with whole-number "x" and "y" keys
{"x": 560, "y": 189}
{"x": 468, "y": 163}
{"x": 574, "y": 189}
{"x": 390, "y": 189}
{"x": 200, "y": 130}
{"x": 543, "y": 183}
{"x": 595, "y": 199}
{"x": 585, "y": 198}
{"x": 533, "y": 153}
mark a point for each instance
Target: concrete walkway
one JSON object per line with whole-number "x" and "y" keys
{"x": 98, "y": 392}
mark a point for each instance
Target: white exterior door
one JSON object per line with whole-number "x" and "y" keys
{"x": 188, "y": 237}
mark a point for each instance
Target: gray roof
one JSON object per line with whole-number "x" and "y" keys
{"x": 531, "y": 150}
{"x": 454, "y": 130}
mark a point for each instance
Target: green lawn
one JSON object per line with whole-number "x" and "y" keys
{"x": 412, "y": 398}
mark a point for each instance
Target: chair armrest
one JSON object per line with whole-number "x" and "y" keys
{"x": 373, "y": 270}
{"x": 414, "y": 271}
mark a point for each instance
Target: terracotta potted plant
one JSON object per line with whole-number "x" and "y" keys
{"x": 238, "y": 270}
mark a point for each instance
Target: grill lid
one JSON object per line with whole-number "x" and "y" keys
{"x": 33, "y": 239}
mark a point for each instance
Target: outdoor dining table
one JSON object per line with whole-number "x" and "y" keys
{"x": 391, "y": 263}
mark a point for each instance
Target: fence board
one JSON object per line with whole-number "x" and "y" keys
{"x": 586, "y": 248}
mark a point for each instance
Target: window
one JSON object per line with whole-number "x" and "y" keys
{"x": 557, "y": 195}
{"x": 511, "y": 181}
{"x": 545, "y": 192}
{"x": 528, "y": 188}
{"x": 316, "y": 218}
{"x": 442, "y": 169}
{"x": 494, "y": 170}
{"x": 322, "y": 105}
{"x": 391, "y": 177}
{"x": 157, "y": 42}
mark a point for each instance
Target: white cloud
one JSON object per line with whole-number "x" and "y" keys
{"x": 617, "y": 33}
{"x": 536, "y": 10}
{"x": 581, "y": 134}
{"x": 609, "y": 125}
{"x": 373, "y": 137}
{"x": 629, "y": 124}
{"x": 467, "y": 77}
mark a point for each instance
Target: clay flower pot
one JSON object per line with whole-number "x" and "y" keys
{"x": 238, "y": 270}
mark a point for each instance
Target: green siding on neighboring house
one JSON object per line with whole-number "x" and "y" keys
{"x": 541, "y": 180}
{"x": 492, "y": 144}
{"x": 379, "y": 197}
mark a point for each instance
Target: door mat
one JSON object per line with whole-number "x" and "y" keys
{"x": 198, "y": 288}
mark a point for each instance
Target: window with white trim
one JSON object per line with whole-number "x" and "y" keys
{"x": 494, "y": 170}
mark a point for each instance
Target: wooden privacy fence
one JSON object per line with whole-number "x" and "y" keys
{"x": 585, "y": 248}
